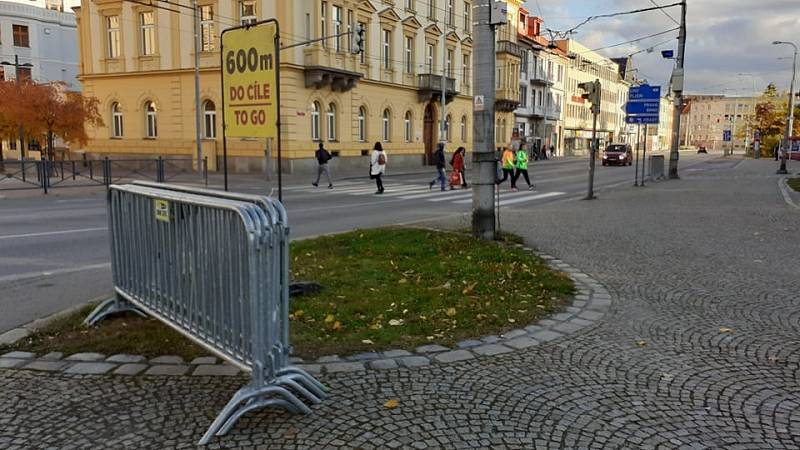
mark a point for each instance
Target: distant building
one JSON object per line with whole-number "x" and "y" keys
{"x": 53, "y": 5}
{"x": 45, "y": 38}
{"x": 706, "y": 118}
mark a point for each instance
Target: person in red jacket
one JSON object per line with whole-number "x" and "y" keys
{"x": 459, "y": 166}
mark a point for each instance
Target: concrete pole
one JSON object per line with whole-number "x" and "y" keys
{"x": 483, "y": 216}
{"x": 790, "y": 123}
{"x": 674, "y": 154}
{"x": 443, "y": 127}
{"x": 197, "y": 116}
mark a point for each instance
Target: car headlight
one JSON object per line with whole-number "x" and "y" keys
{"x": 605, "y": 156}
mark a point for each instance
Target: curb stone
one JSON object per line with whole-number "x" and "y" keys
{"x": 590, "y": 304}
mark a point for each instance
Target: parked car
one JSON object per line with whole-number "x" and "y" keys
{"x": 619, "y": 154}
{"x": 702, "y": 149}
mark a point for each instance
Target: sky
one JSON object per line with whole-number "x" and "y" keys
{"x": 725, "y": 38}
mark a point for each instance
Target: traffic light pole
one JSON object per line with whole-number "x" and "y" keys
{"x": 592, "y": 156}
{"x": 674, "y": 153}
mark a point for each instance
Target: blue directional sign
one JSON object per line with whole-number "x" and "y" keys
{"x": 726, "y": 135}
{"x": 644, "y": 104}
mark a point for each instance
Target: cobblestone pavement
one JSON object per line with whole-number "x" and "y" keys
{"x": 700, "y": 349}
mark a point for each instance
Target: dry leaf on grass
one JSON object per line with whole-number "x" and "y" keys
{"x": 451, "y": 312}
{"x": 329, "y": 318}
{"x": 396, "y": 322}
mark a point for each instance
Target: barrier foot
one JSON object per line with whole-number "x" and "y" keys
{"x": 113, "y": 305}
{"x": 247, "y": 399}
{"x": 289, "y": 381}
{"x": 307, "y": 376}
{"x": 307, "y": 381}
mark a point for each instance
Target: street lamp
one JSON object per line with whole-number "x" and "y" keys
{"x": 17, "y": 65}
{"x": 790, "y": 122}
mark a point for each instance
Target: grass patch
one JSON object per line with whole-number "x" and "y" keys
{"x": 384, "y": 288}
{"x": 126, "y": 333}
{"x": 794, "y": 183}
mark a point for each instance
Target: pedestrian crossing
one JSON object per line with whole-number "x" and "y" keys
{"x": 421, "y": 192}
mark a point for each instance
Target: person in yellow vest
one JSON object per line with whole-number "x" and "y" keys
{"x": 521, "y": 164}
{"x": 508, "y": 165}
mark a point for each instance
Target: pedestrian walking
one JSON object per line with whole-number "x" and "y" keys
{"x": 323, "y": 156}
{"x": 521, "y": 165}
{"x": 438, "y": 158}
{"x": 459, "y": 166}
{"x": 775, "y": 150}
{"x": 377, "y": 166}
{"x": 507, "y": 162}
{"x": 552, "y": 151}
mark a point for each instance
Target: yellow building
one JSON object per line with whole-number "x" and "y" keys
{"x": 138, "y": 60}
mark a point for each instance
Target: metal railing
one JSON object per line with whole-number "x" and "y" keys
{"x": 215, "y": 267}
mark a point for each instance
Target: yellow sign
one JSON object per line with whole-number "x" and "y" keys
{"x": 162, "y": 210}
{"x": 250, "y": 80}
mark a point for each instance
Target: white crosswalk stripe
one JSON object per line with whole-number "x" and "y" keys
{"x": 412, "y": 192}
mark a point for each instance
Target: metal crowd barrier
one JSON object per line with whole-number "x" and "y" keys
{"x": 215, "y": 267}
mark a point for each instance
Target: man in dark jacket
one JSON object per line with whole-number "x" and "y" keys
{"x": 439, "y": 159}
{"x": 323, "y": 156}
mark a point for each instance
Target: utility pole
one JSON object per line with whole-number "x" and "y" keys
{"x": 197, "y": 116}
{"x": 790, "y": 122}
{"x": 443, "y": 125}
{"x": 677, "y": 87}
{"x": 483, "y": 216}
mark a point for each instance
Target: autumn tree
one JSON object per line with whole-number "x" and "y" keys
{"x": 772, "y": 112}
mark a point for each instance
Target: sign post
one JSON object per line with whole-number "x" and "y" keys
{"x": 250, "y": 64}
{"x": 643, "y": 108}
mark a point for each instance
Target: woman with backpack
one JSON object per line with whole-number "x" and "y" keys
{"x": 377, "y": 166}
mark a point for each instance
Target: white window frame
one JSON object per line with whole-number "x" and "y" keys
{"x": 430, "y": 55}
{"x": 316, "y": 134}
{"x": 463, "y": 128}
{"x": 386, "y": 49}
{"x": 386, "y": 119}
{"x": 147, "y": 33}
{"x": 331, "y": 122}
{"x": 362, "y": 124}
{"x": 409, "y": 55}
{"x": 246, "y": 19}
{"x": 448, "y": 131}
{"x": 117, "y": 129}
{"x": 209, "y": 120}
{"x": 465, "y": 69}
{"x": 208, "y": 41}
{"x": 150, "y": 120}
{"x": 323, "y": 20}
{"x": 365, "y": 49}
{"x": 113, "y": 36}
{"x": 432, "y": 9}
{"x": 467, "y": 17}
{"x": 408, "y": 129}
{"x": 450, "y": 18}
{"x": 449, "y": 68}
{"x": 337, "y": 27}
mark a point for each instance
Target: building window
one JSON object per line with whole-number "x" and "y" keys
{"x": 207, "y": 35}
{"x": 209, "y": 120}
{"x": 409, "y": 55}
{"x": 465, "y": 70}
{"x": 362, "y": 124}
{"x": 25, "y": 74}
{"x": 151, "y": 123}
{"x": 116, "y": 120}
{"x": 2, "y": 74}
{"x": 409, "y": 5}
{"x": 247, "y": 12}
{"x": 349, "y": 30}
{"x": 451, "y": 13}
{"x": 467, "y": 17}
{"x": 112, "y": 29}
{"x": 560, "y": 73}
{"x": 407, "y": 127}
{"x": 447, "y": 129}
{"x": 387, "y": 125}
{"x": 323, "y": 21}
{"x": 464, "y": 128}
{"x": 523, "y": 68}
{"x": 365, "y": 49}
{"x": 21, "y": 38}
{"x": 148, "y": 29}
{"x": 523, "y": 97}
{"x": 387, "y": 50}
{"x": 331, "y": 122}
{"x": 54, "y": 5}
{"x": 337, "y": 28}
{"x": 315, "y": 125}
{"x": 449, "y": 68}
{"x": 430, "y": 57}
{"x": 432, "y": 9}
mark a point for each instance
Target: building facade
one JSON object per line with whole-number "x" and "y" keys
{"x": 586, "y": 65}
{"x": 707, "y": 117}
{"x": 542, "y": 80}
{"x": 389, "y": 93}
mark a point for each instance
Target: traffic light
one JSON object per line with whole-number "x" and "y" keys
{"x": 358, "y": 39}
{"x": 592, "y": 93}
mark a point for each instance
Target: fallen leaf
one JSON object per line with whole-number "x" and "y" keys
{"x": 391, "y": 404}
{"x": 337, "y": 325}
{"x": 396, "y": 322}
{"x": 290, "y": 433}
{"x": 451, "y": 312}
{"x": 641, "y": 343}
{"x": 725, "y": 330}
{"x": 511, "y": 320}
{"x": 329, "y": 318}
{"x": 367, "y": 341}
{"x": 375, "y": 326}
{"x": 402, "y": 281}
{"x": 447, "y": 285}
{"x": 299, "y": 313}
{"x": 469, "y": 288}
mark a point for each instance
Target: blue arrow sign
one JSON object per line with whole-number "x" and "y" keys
{"x": 726, "y": 135}
{"x": 644, "y": 92}
{"x": 648, "y": 108}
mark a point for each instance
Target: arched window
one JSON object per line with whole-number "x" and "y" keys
{"x": 151, "y": 123}
{"x": 387, "y": 125}
{"x": 331, "y": 122}
{"x": 116, "y": 120}
{"x": 407, "y": 127}
{"x": 463, "y": 128}
{"x": 315, "y": 132}
{"x": 362, "y": 124}
{"x": 447, "y": 130}
{"x": 209, "y": 120}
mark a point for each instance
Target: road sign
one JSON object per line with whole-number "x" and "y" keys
{"x": 726, "y": 135}
{"x": 250, "y": 80}
{"x": 644, "y": 104}
{"x": 478, "y": 103}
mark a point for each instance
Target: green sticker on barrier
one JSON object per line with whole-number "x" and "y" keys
{"x": 162, "y": 210}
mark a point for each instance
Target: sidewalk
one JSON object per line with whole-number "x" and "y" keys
{"x": 699, "y": 350}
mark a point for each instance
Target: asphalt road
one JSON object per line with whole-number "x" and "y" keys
{"x": 55, "y": 249}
